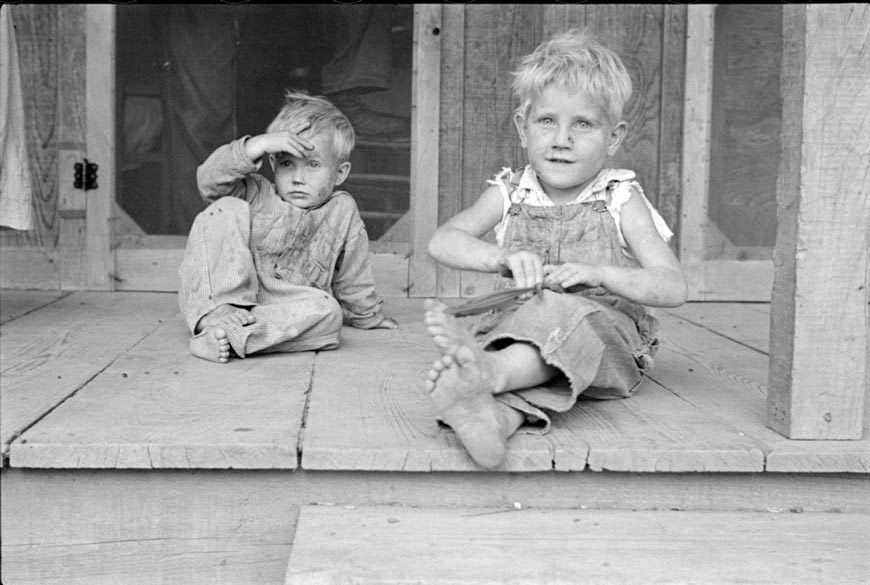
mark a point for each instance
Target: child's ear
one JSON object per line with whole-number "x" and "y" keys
{"x": 520, "y": 123}
{"x": 617, "y": 135}
{"x": 342, "y": 173}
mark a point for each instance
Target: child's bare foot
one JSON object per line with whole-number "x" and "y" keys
{"x": 461, "y": 384}
{"x": 211, "y": 344}
{"x": 224, "y": 316}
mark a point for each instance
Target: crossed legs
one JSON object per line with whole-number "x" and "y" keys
{"x": 463, "y": 381}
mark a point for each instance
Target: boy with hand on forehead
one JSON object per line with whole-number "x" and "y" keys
{"x": 580, "y": 232}
{"x": 279, "y": 267}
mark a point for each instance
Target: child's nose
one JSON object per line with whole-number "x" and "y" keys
{"x": 563, "y": 138}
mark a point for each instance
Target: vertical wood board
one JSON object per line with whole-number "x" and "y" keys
{"x": 819, "y": 312}
{"x": 101, "y": 87}
{"x": 426, "y": 91}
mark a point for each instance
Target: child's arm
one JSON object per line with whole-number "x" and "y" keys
{"x": 223, "y": 173}
{"x": 659, "y": 282}
{"x": 458, "y": 244}
{"x": 353, "y": 283}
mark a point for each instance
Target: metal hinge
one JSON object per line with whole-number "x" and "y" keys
{"x": 85, "y": 175}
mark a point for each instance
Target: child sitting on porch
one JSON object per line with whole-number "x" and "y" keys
{"x": 279, "y": 267}
{"x": 583, "y": 234}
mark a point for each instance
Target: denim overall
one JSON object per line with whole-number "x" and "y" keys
{"x": 601, "y": 342}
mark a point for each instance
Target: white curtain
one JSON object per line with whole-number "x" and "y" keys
{"x": 16, "y": 187}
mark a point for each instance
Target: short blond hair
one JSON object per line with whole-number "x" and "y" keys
{"x": 578, "y": 61}
{"x": 321, "y": 114}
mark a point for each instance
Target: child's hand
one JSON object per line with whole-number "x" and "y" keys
{"x": 282, "y": 141}
{"x": 524, "y": 267}
{"x": 570, "y": 274}
{"x": 387, "y": 324}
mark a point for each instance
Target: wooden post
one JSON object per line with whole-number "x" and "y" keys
{"x": 819, "y": 309}
{"x": 100, "y": 91}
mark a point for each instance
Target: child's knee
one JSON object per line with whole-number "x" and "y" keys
{"x": 333, "y": 313}
{"x": 225, "y": 209}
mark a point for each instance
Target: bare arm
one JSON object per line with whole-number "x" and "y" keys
{"x": 458, "y": 244}
{"x": 659, "y": 282}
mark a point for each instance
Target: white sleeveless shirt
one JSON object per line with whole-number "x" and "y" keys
{"x": 529, "y": 192}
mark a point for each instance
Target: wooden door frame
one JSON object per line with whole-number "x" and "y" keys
{"x": 120, "y": 257}
{"x": 709, "y": 280}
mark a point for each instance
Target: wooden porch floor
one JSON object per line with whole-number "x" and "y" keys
{"x": 104, "y": 381}
{"x": 124, "y": 455}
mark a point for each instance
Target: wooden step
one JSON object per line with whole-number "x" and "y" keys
{"x": 349, "y": 545}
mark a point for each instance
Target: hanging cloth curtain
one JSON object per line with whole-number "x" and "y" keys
{"x": 16, "y": 187}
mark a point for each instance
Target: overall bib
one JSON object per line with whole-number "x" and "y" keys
{"x": 601, "y": 342}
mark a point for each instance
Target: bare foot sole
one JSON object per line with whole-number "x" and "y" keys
{"x": 211, "y": 344}
{"x": 460, "y": 386}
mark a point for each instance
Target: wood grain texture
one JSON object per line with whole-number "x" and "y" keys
{"x": 157, "y": 406}
{"x": 16, "y": 303}
{"x": 820, "y": 296}
{"x": 146, "y": 529}
{"x": 71, "y": 143}
{"x": 426, "y": 92}
{"x": 374, "y": 545}
{"x": 653, "y": 431}
{"x": 29, "y": 268}
{"x": 101, "y": 147}
{"x": 670, "y": 155}
{"x": 49, "y": 354}
{"x": 746, "y": 323}
{"x": 236, "y": 526}
{"x": 729, "y": 382}
{"x": 451, "y": 154}
{"x": 696, "y": 143}
{"x": 368, "y": 409}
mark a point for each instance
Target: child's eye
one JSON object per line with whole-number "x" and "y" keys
{"x": 582, "y": 125}
{"x": 546, "y": 121}
{"x": 314, "y": 164}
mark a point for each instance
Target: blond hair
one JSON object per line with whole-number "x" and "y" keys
{"x": 321, "y": 114}
{"x": 578, "y": 61}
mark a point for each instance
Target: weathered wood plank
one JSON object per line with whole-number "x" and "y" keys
{"x": 50, "y": 354}
{"x": 29, "y": 268}
{"x": 746, "y": 323}
{"x": 653, "y": 431}
{"x": 72, "y": 144}
{"x": 426, "y": 91}
{"x": 670, "y": 156}
{"x": 100, "y": 136}
{"x": 451, "y": 155}
{"x": 728, "y": 382}
{"x": 157, "y": 406}
{"x": 696, "y": 143}
{"x": 15, "y": 303}
{"x": 55, "y": 523}
{"x": 145, "y": 529}
{"x": 368, "y": 409}
{"x": 375, "y": 545}
{"x": 819, "y": 316}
